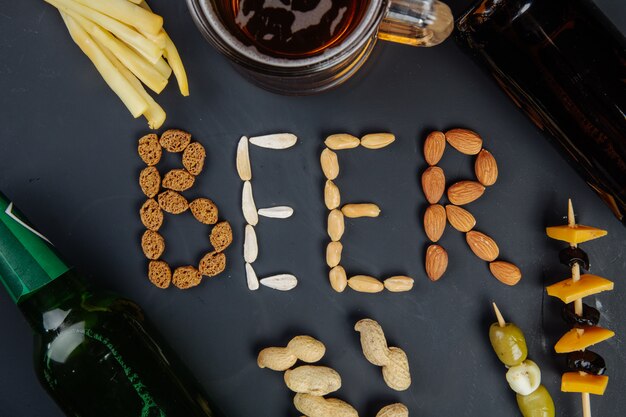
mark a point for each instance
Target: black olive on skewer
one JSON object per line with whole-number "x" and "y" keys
{"x": 586, "y": 361}
{"x": 590, "y": 316}
{"x": 570, "y": 256}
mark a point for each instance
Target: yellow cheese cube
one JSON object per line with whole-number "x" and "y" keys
{"x": 568, "y": 290}
{"x": 577, "y": 382}
{"x": 573, "y": 341}
{"x": 575, "y": 234}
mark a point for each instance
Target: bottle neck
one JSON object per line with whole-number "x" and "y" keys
{"x": 46, "y": 308}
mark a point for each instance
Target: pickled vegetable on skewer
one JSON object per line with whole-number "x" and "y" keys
{"x": 588, "y": 367}
{"x": 523, "y": 376}
{"x": 589, "y": 317}
{"x": 569, "y": 290}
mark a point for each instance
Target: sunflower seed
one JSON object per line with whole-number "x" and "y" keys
{"x": 247, "y": 204}
{"x": 250, "y": 245}
{"x": 282, "y": 282}
{"x": 243, "y": 160}
{"x": 275, "y": 141}
{"x": 253, "y": 281}
{"x": 278, "y": 212}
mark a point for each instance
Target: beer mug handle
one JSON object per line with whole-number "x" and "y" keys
{"x": 416, "y": 22}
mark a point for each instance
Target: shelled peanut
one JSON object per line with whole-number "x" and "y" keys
{"x": 329, "y": 162}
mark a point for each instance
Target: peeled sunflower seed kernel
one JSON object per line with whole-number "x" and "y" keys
{"x": 250, "y": 245}
{"x": 281, "y": 282}
{"x": 336, "y": 225}
{"x": 247, "y": 204}
{"x": 377, "y": 140}
{"x": 333, "y": 254}
{"x": 434, "y": 146}
{"x": 341, "y": 141}
{"x": 332, "y": 197}
{"x": 398, "y": 283}
{"x": 338, "y": 278}
{"x": 354, "y": 211}
{"x": 251, "y": 278}
{"x": 365, "y": 283}
{"x": 244, "y": 168}
{"x": 278, "y": 212}
{"x": 524, "y": 378}
{"x": 275, "y": 141}
{"x": 330, "y": 164}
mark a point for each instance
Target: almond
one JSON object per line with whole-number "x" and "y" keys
{"x": 365, "y": 283}
{"x": 355, "y": 211}
{"x": 341, "y": 141}
{"x": 482, "y": 245}
{"x": 435, "y": 221}
{"x": 486, "y": 168}
{"x": 433, "y": 184}
{"x": 338, "y": 278}
{"x": 505, "y": 272}
{"x": 275, "y": 141}
{"x": 464, "y": 141}
{"x": 377, "y": 140}
{"x": 464, "y": 192}
{"x": 461, "y": 219}
{"x": 248, "y": 207}
{"x": 336, "y": 225}
{"x": 399, "y": 283}
{"x": 330, "y": 164}
{"x": 436, "y": 262}
{"x": 332, "y": 197}
{"x": 434, "y": 146}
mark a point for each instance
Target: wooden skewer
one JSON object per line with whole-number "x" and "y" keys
{"x": 578, "y": 304}
{"x": 501, "y": 321}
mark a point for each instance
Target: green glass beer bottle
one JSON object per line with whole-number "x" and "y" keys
{"x": 95, "y": 352}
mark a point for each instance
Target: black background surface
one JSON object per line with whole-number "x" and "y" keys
{"x": 68, "y": 160}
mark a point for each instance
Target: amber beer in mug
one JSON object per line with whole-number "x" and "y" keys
{"x": 308, "y": 46}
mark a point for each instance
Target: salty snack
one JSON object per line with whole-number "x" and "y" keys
{"x": 193, "y": 158}
{"x": 393, "y": 360}
{"x": 305, "y": 348}
{"x": 127, "y": 44}
{"x": 586, "y": 368}
{"x": 337, "y": 214}
{"x": 170, "y": 201}
{"x": 523, "y": 375}
{"x": 150, "y": 181}
{"x": 460, "y": 193}
{"x": 280, "y": 282}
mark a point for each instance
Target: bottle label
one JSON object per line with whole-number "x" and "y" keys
{"x": 27, "y": 259}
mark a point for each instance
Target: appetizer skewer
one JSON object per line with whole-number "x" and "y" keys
{"x": 586, "y": 367}
{"x": 523, "y": 375}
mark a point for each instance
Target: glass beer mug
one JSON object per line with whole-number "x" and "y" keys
{"x": 308, "y": 46}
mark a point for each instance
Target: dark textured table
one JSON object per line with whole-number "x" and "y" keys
{"x": 68, "y": 159}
